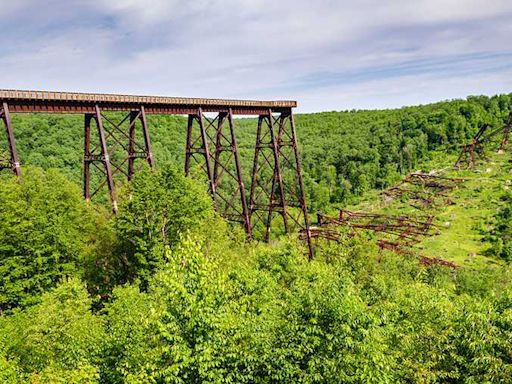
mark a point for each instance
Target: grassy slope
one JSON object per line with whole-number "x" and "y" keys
{"x": 462, "y": 225}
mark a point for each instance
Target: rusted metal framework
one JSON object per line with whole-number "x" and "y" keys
{"x": 407, "y": 230}
{"x": 419, "y": 198}
{"x": 404, "y": 231}
{"x": 439, "y": 183}
{"x": 425, "y": 260}
{"x": 277, "y": 187}
{"x": 10, "y": 160}
{"x": 214, "y": 147}
{"x": 424, "y": 189}
{"x": 471, "y": 150}
{"x": 114, "y": 138}
{"x": 484, "y": 135}
{"x": 113, "y": 142}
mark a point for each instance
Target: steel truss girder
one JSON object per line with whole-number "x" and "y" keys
{"x": 72, "y": 102}
{"x": 12, "y": 162}
{"x": 215, "y": 150}
{"x": 114, "y": 138}
{"x": 277, "y": 186}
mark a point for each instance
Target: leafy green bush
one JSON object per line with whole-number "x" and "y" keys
{"x": 58, "y": 340}
{"x": 45, "y": 229}
{"x": 154, "y": 210}
{"x": 501, "y": 233}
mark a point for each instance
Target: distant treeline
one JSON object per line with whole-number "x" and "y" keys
{"x": 344, "y": 153}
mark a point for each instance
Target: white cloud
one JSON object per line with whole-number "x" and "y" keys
{"x": 258, "y": 48}
{"x": 9, "y": 7}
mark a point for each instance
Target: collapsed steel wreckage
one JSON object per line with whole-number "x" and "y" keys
{"x": 421, "y": 190}
{"x": 476, "y": 148}
{"x": 401, "y": 232}
{"x": 424, "y": 189}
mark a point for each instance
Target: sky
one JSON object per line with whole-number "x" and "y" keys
{"x": 326, "y": 54}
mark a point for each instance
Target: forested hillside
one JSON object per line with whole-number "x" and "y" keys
{"x": 168, "y": 292}
{"x": 344, "y": 153}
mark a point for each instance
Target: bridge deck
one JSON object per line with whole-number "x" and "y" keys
{"x": 67, "y": 102}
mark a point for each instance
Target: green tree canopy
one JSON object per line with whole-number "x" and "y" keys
{"x": 154, "y": 210}
{"x": 45, "y": 229}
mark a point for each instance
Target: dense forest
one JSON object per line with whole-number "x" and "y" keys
{"x": 344, "y": 153}
{"x": 168, "y": 292}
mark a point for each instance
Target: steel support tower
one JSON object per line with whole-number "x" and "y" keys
{"x": 117, "y": 144}
{"x": 8, "y": 156}
{"x": 114, "y": 137}
{"x": 277, "y": 187}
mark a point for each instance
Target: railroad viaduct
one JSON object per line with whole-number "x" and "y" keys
{"x": 276, "y": 185}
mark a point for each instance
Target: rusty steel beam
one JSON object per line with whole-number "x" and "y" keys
{"x": 117, "y": 149}
{"x": 298, "y": 172}
{"x": 98, "y": 154}
{"x": 424, "y": 260}
{"x": 136, "y": 150}
{"x": 239, "y": 174}
{"x": 407, "y": 230}
{"x": 12, "y": 162}
{"x": 66, "y": 102}
{"x": 71, "y": 108}
{"x": 198, "y": 144}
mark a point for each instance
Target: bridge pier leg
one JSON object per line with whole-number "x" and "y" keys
{"x": 506, "y": 133}
{"x": 301, "y": 193}
{"x": 233, "y": 150}
{"x": 145, "y": 152}
{"x": 277, "y": 185}
{"x": 114, "y": 137}
{"x": 219, "y": 158}
{"x": 267, "y": 187}
{"x": 198, "y": 144}
{"x": 467, "y": 154}
{"x": 13, "y": 162}
{"x": 91, "y": 157}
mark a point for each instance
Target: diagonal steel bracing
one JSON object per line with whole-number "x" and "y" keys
{"x": 115, "y": 151}
{"x": 484, "y": 135}
{"x": 213, "y": 148}
{"x": 277, "y": 187}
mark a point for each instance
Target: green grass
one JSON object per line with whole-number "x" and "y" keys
{"x": 463, "y": 225}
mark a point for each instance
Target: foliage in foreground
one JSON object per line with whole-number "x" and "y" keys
{"x": 235, "y": 312}
{"x": 45, "y": 229}
{"x": 270, "y": 317}
{"x": 154, "y": 209}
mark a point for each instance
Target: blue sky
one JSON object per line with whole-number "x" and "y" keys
{"x": 327, "y": 54}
